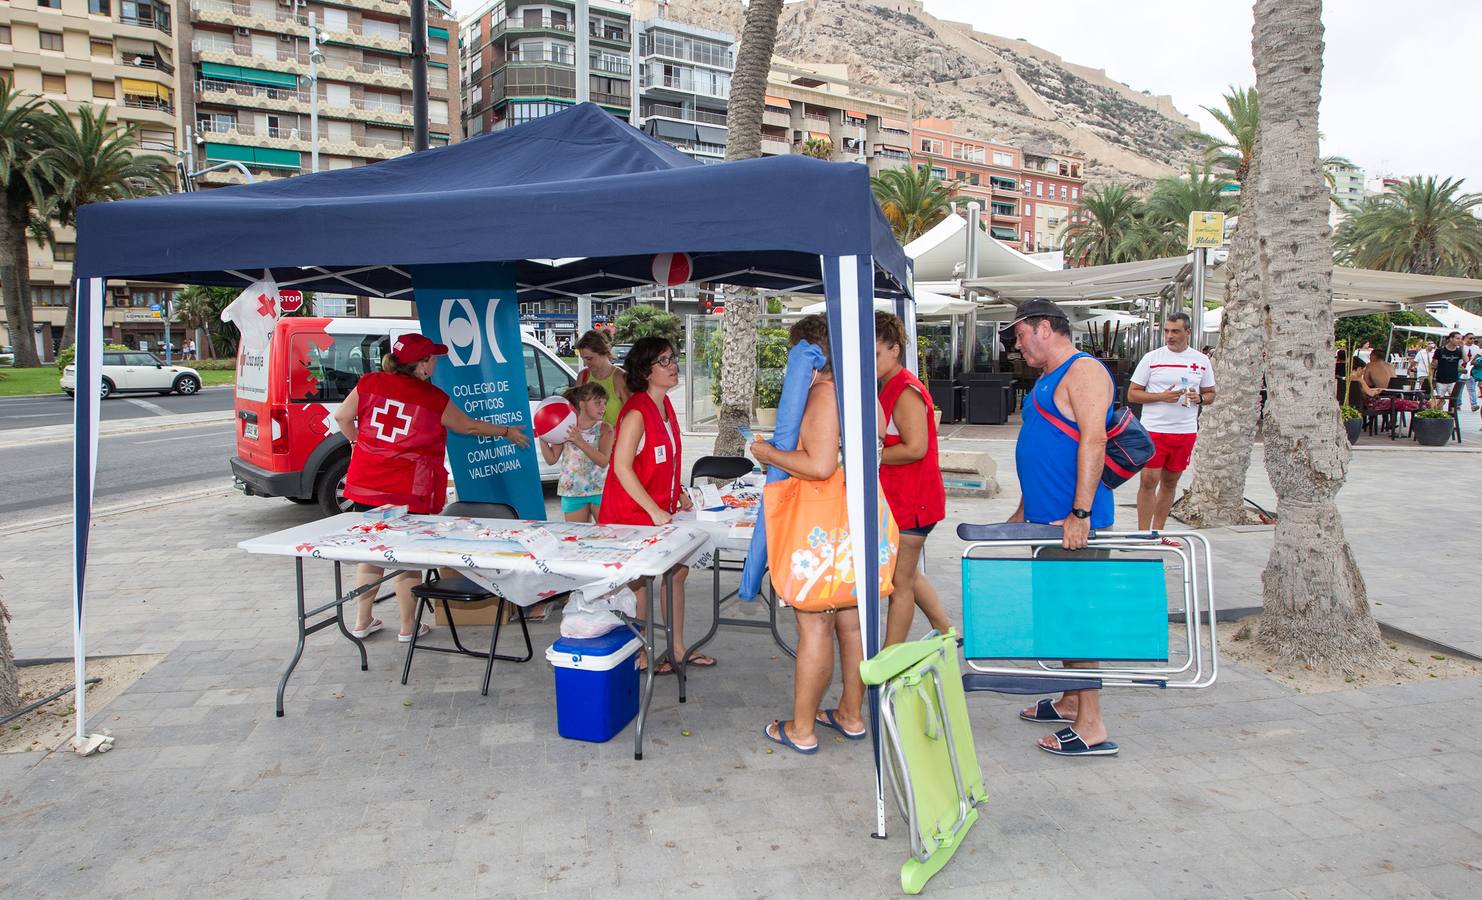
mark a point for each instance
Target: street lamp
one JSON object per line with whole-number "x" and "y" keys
{"x": 315, "y": 58}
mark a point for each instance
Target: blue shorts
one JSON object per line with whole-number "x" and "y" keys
{"x": 577, "y": 504}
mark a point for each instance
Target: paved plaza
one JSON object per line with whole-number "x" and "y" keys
{"x": 370, "y": 789}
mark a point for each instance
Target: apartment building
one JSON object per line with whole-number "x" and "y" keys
{"x": 983, "y": 170}
{"x": 1347, "y": 188}
{"x": 517, "y": 61}
{"x": 684, "y": 82}
{"x": 1051, "y": 184}
{"x": 114, "y": 53}
{"x": 862, "y": 123}
{"x": 247, "y": 92}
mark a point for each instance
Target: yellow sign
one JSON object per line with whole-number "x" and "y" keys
{"x": 1206, "y": 229}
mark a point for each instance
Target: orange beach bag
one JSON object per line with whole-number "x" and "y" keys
{"x": 808, "y": 543}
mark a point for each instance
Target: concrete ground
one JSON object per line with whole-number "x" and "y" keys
{"x": 370, "y": 789}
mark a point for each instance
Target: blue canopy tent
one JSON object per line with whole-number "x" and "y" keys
{"x": 577, "y": 203}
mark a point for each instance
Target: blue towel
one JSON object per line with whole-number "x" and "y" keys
{"x": 802, "y": 361}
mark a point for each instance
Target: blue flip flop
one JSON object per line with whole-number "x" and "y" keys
{"x": 828, "y": 721}
{"x": 786, "y": 741}
{"x": 1071, "y": 744}
{"x": 1045, "y": 711}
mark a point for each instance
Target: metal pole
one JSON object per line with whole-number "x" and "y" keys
{"x": 583, "y": 314}
{"x": 419, "y": 74}
{"x": 974, "y": 212}
{"x": 583, "y": 47}
{"x": 633, "y": 38}
{"x": 1196, "y": 307}
{"x": 167, "y": 332}
{"x": 313, "y": 95}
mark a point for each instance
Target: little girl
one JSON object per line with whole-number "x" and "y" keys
{"x": 585, "y": 455}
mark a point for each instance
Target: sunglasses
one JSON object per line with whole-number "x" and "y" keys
{"x": 667, "y": 360}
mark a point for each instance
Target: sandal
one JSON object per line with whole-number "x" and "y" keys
{"x": 782, "y": 738}
{"x": 1071, "y": 744}
{"x": 700, "y": 661}
{"x": 421, "y": 633}
{"x": 361, "y": 634}
{"x": 1045, "y": 711}
{"x": 828, "y": 720}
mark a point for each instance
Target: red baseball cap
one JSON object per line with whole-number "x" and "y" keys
{"x": 410, "y": 349}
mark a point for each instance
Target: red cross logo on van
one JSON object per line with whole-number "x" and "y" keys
{"x": 388, "y": 429}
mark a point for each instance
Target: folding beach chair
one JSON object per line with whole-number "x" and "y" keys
{"x": 1110, "y": 606}
{"x": 933, "y": 765}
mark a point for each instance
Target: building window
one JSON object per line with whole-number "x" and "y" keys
{"x": 49, "y": 4}
{"x": 1028, "y": 187}
{"x": 101, "y": 48}
{"x": 1028, "y": 210}
{"x": 1039, "y": 189}
{"x": 100, "y": 7}
{"x": 54, "y": 84}
{"x": 50, "y": 295}
{"x": 104, "y": 90}
{"x": 5, "y": 34}
{"x": 51, "y": 40}
{"x": 437, "y": 79}
{"x": 1002, "y": 159}
{"x": 1063, "y": 192}
{"x": 386, "y": 30}
{"x": 437, "y": 112}
{"x": 1075, "y": 193}
{"x": 931, "y": 145}
{"x": 437, "y": 45}
{"x": 64, "y": 252}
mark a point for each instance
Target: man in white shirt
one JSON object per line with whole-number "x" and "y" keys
{"x": 1171, "y": 383}
{"x": 1471, "y": 352}
{"x": 1422, "y": 369}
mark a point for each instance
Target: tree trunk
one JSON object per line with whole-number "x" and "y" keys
{"x": 744, "y": 141}
{"x": 15, "y": 283}
{"x": 10, "y": 691}
{"x": 1228, "y": 429}
{"x": 1316, "y": 606}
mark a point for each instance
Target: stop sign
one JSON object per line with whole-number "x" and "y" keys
{"x": 290, "y": 300}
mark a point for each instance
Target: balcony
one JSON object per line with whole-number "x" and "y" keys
{"x": 711, "y": 56}
{"x": 138, "y": 61}
{"x": 360, "y": 37}
{"x": 393, "y": 7}
{"x": 241, "y": 15}
{"x": 209, "y": 90}
{"x": 296, "y": 60}
{"x": 1004, "y": 212}
{"x": 604, "y": 99}
{"x": 159, "y": 21}
{"x": 528, "y": 24}
{"x": 133, "y": 101}
{"x": 686, "y": 115}
{"x": 775, "y": 147}
{"x": 612, "y": 66}
{"x": 685, "y": 82}
{"x": 562, "y": 57}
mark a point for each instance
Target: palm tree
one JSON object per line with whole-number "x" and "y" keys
{"x": 1316, "y": 609}
{"x": 818, "y": 148}
{"x": 1161, "y": 225}
{"x": 913, "y": 200}
{"x": 1424, "y": 226}
{"x": 25, "y": 172}
{"x": 1239, "y": 117}
{"x": 94, "y": 161}
{"x": 1107, "y": 213}
{"x": 744, "y": 141}
{"x": 199, "y": 308}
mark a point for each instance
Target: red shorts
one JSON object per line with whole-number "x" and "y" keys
{"x": 1171, "y": 451}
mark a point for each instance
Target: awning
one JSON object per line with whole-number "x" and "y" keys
{"x": 709, "y": 134}
{"x": 146, "y": 89}
{"x": 673, "y": 131}
{"x": 895, "y": 124}
{"x": 928, "y": 305}
{"x": 779, "y": 102}
{"x": 248, "y": 75}
{"x": 938, "y": 254}
{"x": 819, "y": 135}
{"x": 265, "y": 157}
{"x": 855, "y": 114}
{"x": 437, "y": 32}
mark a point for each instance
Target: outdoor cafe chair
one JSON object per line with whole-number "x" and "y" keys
{"x": 723, "y": 468}
{"x": 459, "y": 589}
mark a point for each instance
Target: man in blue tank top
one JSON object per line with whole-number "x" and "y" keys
{"x": 1060, "y": 483}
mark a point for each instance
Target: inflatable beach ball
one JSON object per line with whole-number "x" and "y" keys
{"x": 670, "y": 269}
{"x": 554, "y": 419}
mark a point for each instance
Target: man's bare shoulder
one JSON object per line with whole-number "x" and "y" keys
{"x": 1088, "y": 371}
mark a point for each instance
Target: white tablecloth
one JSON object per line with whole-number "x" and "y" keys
{"x": 524, "y": 561}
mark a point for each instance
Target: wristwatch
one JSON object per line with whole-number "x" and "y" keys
{"x": 1081, "y": 513}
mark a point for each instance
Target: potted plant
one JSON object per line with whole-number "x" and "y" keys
{"x": 923, "y": 346}
{"x": 1433, "y": 427}
{"x": 768, "y": 394}
{"x": 1353, "y": 423}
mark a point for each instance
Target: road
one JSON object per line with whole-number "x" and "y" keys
{"x": 38, "y": 477}
{"x": 56, "y": 409}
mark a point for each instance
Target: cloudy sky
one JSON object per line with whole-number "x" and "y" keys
{"x": 1399, "y": 80}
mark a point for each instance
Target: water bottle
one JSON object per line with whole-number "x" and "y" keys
{"x": 1183, "y": 390}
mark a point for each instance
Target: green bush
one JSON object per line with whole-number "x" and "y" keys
{"x": 771, "y": 364}
{"x": 211, "y": 365}
{"x": 68, "y": 354}
{"x": 1349, "y": 413}
{"x": 1433, "y": 412}
{"x": 643, "y": 321}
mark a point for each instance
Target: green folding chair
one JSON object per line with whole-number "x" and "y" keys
{"x": 933, "y": 765}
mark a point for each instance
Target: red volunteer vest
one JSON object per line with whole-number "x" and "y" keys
{"x": 399, "y": 445}
{"x": 656, "y": 465}
{"x": 914, "y": 490}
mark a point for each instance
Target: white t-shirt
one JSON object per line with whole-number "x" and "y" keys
{"x": 1423, "y": 363}
{"x": 1163, "y": 370}
{"x": 1469, "y": 359}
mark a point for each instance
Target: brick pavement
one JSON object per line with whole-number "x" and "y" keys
{"x": 367, "y": 788}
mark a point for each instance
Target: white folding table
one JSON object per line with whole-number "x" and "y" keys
{"x": 523, "y": 561}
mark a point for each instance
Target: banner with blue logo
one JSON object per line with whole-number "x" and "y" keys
{"x": 473, "y": 309}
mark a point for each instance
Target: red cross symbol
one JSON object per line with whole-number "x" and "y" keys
{"x": 399, "y": 424}
{"x": 265, "y": 305}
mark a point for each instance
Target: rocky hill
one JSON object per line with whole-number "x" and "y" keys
{"x": 995, "y": 88}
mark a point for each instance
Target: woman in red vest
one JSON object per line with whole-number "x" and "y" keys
{"x": 910, "y": 476}
{"x": 643, "y": 485}
{"x": 397, "y": 424}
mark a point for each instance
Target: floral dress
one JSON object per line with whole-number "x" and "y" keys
{"x": 580, "y": 477}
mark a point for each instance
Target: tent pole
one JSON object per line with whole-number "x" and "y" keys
{"x": 89, "y": 362}
{"x": 419, "y": 75}
{"x": 584, "y": 47}
{"x": 848, "y": 287}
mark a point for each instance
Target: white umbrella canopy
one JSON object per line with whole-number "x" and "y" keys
{"x": 928, "y": 305}
{"x": 941, "y": 253}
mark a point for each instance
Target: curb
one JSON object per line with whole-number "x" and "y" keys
{"x": 47, "y": 434}
{"x": 1386, "y": 630}
{"x": 120, "y": 509}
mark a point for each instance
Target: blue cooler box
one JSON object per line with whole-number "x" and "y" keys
{"x": 596, "y": 684}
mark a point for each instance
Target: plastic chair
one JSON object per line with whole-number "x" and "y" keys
{"x": 461, "y": 589}
{"x": 931, "y": 758}
{"x": 725, "y": 468}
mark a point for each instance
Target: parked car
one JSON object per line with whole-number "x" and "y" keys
{"x": 287, "y": 441}
{"x": 620, "y": 353}
{"x": 126, "y": 371}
